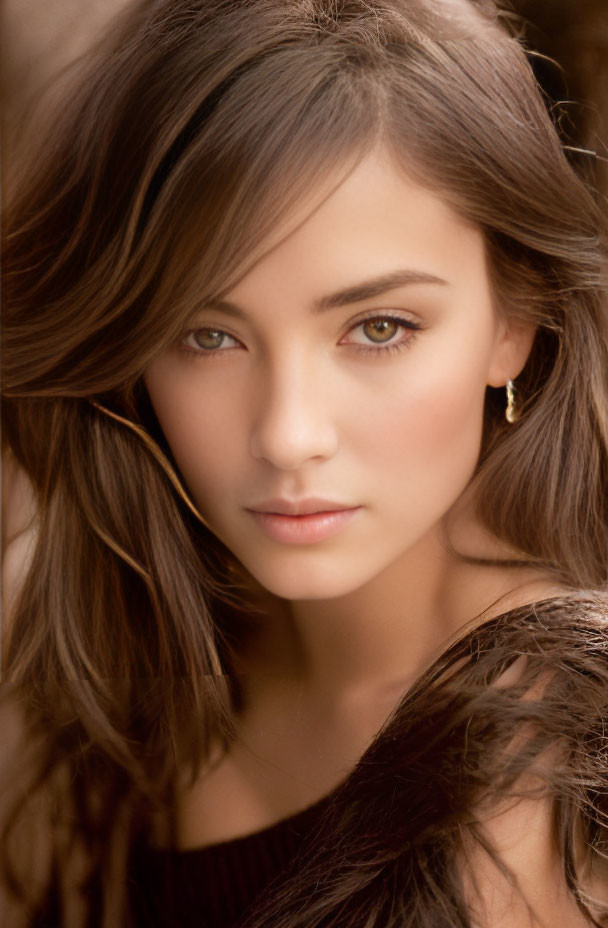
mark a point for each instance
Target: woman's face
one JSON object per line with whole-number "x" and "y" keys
{"x": 350, "y": 364}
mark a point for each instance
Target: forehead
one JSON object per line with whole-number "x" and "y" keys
{"x": 372, "y": 221}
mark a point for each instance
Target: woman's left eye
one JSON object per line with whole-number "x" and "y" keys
{"x": 380, "y": 333}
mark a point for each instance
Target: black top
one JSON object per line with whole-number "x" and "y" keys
{"x": 221, "y": 885}
{"x": 217, "y": 885}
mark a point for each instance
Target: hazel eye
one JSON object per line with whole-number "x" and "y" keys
{"x": 380, "y": 330}
{"x": 207, "y": 340}
{"x": 383, "y": 333}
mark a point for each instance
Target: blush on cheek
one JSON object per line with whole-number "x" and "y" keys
{"x": 457, "y": 419}
{"x": 436, "y": 434}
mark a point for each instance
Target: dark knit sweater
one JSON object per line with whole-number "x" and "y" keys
{"x": 215, "y": 886}
{"x": 219, "y": 886}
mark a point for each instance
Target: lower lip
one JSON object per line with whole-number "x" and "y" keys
{"x": 301, "y": 530}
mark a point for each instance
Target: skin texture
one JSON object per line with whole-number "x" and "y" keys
{"x": 295, "y": 410}
{"x": 288, "y": 405}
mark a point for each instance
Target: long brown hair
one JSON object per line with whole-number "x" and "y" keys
{"x": 197, "y": 127}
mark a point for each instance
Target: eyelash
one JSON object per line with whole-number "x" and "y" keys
{"x": 412, "y": 327}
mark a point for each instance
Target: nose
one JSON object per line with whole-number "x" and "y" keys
{"x": 294, "y": 422}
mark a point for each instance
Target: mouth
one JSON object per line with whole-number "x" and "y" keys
{"x": 310, "y": 506}
{"x": 303, "y": 528}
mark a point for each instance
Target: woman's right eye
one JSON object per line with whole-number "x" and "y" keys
{"x": 206, "y": 341}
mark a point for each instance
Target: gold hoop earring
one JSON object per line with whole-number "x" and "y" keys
{"x": 511, "y": 412}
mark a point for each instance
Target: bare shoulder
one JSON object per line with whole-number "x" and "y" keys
{"x": 536, "y": 894}
{"x": 532, "y": 891}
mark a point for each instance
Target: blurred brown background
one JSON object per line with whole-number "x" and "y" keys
{"x": 575, "y": 34}
{"x": 40, "y": 37}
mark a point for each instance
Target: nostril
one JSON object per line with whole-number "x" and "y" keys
{"x": 287, "y": 437}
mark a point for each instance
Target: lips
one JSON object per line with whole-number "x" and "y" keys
{"x": 301, "y": 507}
{"x": 305, "y": 528}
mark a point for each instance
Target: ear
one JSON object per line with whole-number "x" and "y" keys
{"x": 514, "y": 340}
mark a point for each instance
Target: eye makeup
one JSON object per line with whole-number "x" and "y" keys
{"x": 406, "y": 325}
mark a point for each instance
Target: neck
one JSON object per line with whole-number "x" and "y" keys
{"x": 382, "y": 635}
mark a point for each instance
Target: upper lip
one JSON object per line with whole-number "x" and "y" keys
{"x": 299, "y": 507}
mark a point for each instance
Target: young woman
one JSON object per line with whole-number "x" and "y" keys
{"x": 305, "y": 370}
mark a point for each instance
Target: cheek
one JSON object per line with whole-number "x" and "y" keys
{"x": 203, "y": 434}
{"x": 427, "y": 429}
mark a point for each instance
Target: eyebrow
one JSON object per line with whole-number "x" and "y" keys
{"x": 356, "y": 293}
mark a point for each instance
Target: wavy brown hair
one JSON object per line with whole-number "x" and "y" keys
{"x": 196, "y": 127}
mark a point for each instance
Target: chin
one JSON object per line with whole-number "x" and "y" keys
{"x": 306, "y": 582}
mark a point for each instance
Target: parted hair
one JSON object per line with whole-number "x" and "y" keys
{"x": 193, "y": 127}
